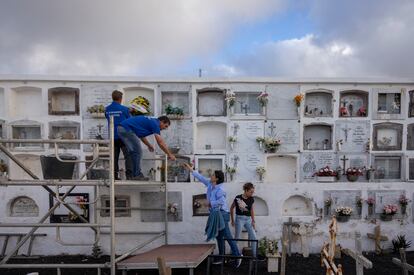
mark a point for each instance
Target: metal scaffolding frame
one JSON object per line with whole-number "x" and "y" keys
{"x": 60, "y": 200}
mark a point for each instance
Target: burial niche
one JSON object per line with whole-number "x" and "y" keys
{"x": 410, "y": 136}
{"x": 26, "y": 129}
{"x": 2, "y": 129}
{"x": 23, "y": 207}
{"x": 206, "y": 165}
{"x": 63, "y": 101}
{"x": 132, "y": 92}
{"x": 176, "y": 171}
{"x": 200, "y": 205}
{"x": 260, "y": 207}
{"x": 122, "y": 206}
{"x": 247, "y": 104}
{"x": 156, "y": 200}
{"x": 387, "y": 167}
{"x": 411, "y": 168}
{"x": 411, "y": 106}
{"x": 65, "y": 130}
{"x": 353, "y": 103}
{"x": 281, "y": 169}
{"x": 211, "y": 135}
{"x": 29, "y": 160}
{"x": 317, "y": 137}
{"x": 175, "y": 104}
{"x": 318, "y": 104}
{"x": 387, "y": 136}
{"x": 389, "y": 103}
{"x": 2, "y": 103}
{"x": 210, "y": 102}
{"x": 297, "y": 205}
{"x": 26, "y": 102}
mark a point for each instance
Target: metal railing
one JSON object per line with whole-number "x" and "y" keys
{"x": 60, "y": 200}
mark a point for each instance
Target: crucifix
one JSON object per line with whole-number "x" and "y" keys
{"x": 235, "y": 160}
{"x": 344, "y": 159}
{"x": 346, "y": 130}
{"x": 235, "y": 128}
{"x": 288, "y": 225}
{"x": 377, "y": 237}
{"x": 272, "y": 128}
{"x": 99, "y": 134}
{"x": 360, "y": 260}
{"x": 244, "y": 108}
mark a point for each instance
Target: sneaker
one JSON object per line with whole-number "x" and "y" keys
{"x": 219, "y": 261}
{"x": 238, "y": 262}
{"x": 140, "y": 178}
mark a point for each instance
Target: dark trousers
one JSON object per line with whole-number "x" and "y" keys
{"x": 118, "y": 147}
{"x": 226, "y": 234}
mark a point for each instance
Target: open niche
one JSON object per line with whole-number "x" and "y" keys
{"x": 175, "y": 104}
{"x": 63, "y": 101}
{"x": 247, "y": 103}
{"x": 387, "y": 136}
{"x": 27, "y": 102}
{"x": 317, "y": 137}
{"x": 297, "y": 205}
{"x": 411, "y": 106}
{"x": 211, "y": 136}
{"x": 26, "y": 129}
{"x": 132, "y": 92}
{"x": 65, "y": 130}
{"x": 353, "y": 103}
{"x": 388, "y": 103}
{"x": 260, "y": 207}
{"x": 387, "y": 167}
{"x": 318, "y": 103}
{"x": 207, "y": 164}
{"x": 210, "y": 102}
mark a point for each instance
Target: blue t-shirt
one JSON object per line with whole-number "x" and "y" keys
{"x": 142, "y": 126}
{"x": 119, "y": 112}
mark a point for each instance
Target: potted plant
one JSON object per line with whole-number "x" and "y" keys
{"x": 232, "y": 140}
{"x": 400, "y": 242}
{"x": 403, "y": 202}
{"x": 260, "y": 170}
{"x": 263, "y": 100}
{"x": 352, "y": 174}
{"x": 269, "y": 249}
{"x": 359, "y": 203}
{"x": 174, "y": 112}
{"x": 96, "y": 111}
{"x": 271, "y": 145}
{"x": 326, "y": 174}
{"x": 370, "y": 201}
{"x": 231, "y": 171}
{"x": 3, "y": 169}
{"x": 261, "y": 141}
{"x": 388, "y": 212}
{"x": 343, "y": 213}
{"x": 231, "y": 100}
{"x": 327, "y": 204}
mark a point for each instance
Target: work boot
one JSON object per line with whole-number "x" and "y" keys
{"x": 140, "y": 178}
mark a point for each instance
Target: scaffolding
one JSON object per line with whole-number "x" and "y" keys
{"x": 96, "y": 225}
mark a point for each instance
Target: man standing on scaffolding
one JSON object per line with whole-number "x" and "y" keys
{"x": 134, "y": 130}
{"x": 120, "y": 113}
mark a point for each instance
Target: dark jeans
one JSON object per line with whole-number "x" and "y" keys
{"x": 225, "y": 233}
{"x": 133, "y": 145}
{"x": 118, "y": 147}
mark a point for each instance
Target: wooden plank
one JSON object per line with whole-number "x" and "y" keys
{"x": 399, "y": 263}
{"x": 162, "y": 267}
{"x": 366, "y": 263}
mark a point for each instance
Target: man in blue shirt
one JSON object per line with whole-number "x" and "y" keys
{"x": 120, "y": 113}
{"x": 134, "y": 130}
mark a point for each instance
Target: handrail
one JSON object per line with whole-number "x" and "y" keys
{"x": 61, "y": 141}
{"x": 59, "y": 240}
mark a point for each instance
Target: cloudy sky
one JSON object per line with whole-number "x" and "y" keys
{"x": 301, "y": 38}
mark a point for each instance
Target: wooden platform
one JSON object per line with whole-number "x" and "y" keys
{"x": 175, "y": 255}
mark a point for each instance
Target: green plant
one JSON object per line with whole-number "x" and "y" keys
{"x": 170, "y": 110}
{"x": 400, "y": 242}
{"x": 96, "y": 109}
{"x": 267, "y": 246}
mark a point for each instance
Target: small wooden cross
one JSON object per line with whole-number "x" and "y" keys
{"x": 289, "y": 225}
{"x": 403, "y": 263}
{"x": 360, "y": 260}
{"x": 378, "y": 238}
{"x": 344, "y": 159}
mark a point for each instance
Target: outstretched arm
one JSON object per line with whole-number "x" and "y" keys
{"x": 197, "y": 175}
{"x": 163, "y": 146}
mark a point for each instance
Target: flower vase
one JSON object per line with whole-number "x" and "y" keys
{"x": 231, "y": 110}
{"x": 261, "y": 145}
{"x": 403, "y": 209}
{"x": 85, "y": 212}
{"x": 386, "y": 218}
{"x": 260, "y": 177}
{"x": 352, "y": 178}
{"x": 298, "y": 110}
{"x": 370, "y": 210}
{"x": 327, "y": 210}
{"x": 359, "y": 210}
{"x": 231, "y": 177}
{"x": 264, "y": 110}
{"x": 232, "y": 146}
{"x": 342, "y": 218}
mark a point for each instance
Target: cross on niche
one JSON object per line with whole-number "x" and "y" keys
{"x": 244, "y": 108}
{"x": 235, "y": 160}
{"x": 344, "y": 159}
{"x": 235, "y": 128}
{"x": 272, "y": 128}
{"x": 346, "y": 130}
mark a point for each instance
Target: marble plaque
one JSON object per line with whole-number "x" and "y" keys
{"x": 63, "y": 215}
{"x": 27, "y": 102}
{"x": 156, "y": 200}
{"x": 211, "y": 136}
{"x": 94, "y": 129}
{"x": 312, "y": 162}
{"x": 200, "y": 205}
{"x": 179, "y": 134}
{"x": 281, "y": 105}
{"x": 246, "y": 133}
{"x": 96, "y": 94}
{"x": 347, "y": 198}
{"x": 354, "y": 135}
{"x": 32, "y": 161}
{"x": 384, "y": 197}
{"x": 246, "y": 164}
{"x": 354, "y": 160}
{"x": 24, "y": 207}
{"x": 288, "y": 133}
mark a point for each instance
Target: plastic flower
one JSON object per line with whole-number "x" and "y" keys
{"x": 370, "y": 201}
{"x": 390, "y": 209}
{"x": 230, "y": 98}
{"x": 404, "y": 200}
{"x": 260, "y": 170}
{"x": 298, "y": 99}
{"x": 344, "y": 211}
{"x": 263, "y": 98}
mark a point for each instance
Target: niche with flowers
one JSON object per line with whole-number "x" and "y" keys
{"x": 318, "y": 104}
{"x": 353, "y": 103}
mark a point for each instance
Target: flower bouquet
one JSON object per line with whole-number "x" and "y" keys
{"x": 261, "y": 141}
{"x": 96, "y": 111}
{"x": 271, "y": 144}
{"x": 326, "y": 174}
{"x": 343, "y": 213}
{"x": 263, "y": 98}
{"x": 388, "y": 211}
{"x": 403, "y": 202}
{"x": 174, "y": 112}
{"x": 231, "y": 171}
{"x": 232, "y": 140}
{"x": 231, "y": 100}
{"x": 260, "y": 170}
{"x": 352, "y": 174}
{"x": 370, "y": 201}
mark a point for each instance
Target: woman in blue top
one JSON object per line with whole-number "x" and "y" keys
{"x": 216, "y": 198}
